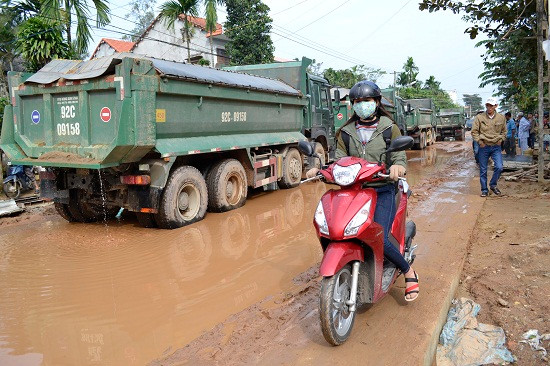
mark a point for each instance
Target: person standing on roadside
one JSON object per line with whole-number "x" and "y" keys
{"x": 489, "y": 130}
{"x": 532, "y": 130}
{"x": 510, "y": 143}
{"x": 523, "y": 132}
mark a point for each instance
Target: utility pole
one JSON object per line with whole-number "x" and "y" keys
{"x": 540, "y": 73}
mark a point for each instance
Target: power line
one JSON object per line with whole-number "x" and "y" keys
{"x": 293, "y": 6}
{"x": 382, "y": 25}
{"x": 322, "y": 16}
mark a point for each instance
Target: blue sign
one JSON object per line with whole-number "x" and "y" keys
{"x": 35, "y": 116}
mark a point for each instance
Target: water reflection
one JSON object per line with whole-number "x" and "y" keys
{"x": 123, "y": 295}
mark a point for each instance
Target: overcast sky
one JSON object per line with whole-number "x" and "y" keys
{"x": 379, "y": 34}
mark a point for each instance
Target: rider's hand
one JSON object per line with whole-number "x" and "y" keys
{"x": 312, "y": 172}
{"x": 397, "y": 171}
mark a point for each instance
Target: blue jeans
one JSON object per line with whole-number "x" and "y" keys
{"x": 495, "y": 152}
{"x": 384, "y": 215}
{"x": 475, "y": 146}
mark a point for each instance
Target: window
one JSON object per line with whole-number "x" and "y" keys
{"x": 222, "y": 58}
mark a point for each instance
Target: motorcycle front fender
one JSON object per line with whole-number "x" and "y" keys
{"x": 338, "y": 254}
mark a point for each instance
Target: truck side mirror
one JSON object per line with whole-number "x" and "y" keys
{"x": 337, "y": 96}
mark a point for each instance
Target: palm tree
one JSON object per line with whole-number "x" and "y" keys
{"x": 432, "y": 84}
{"x": 409, "y": 74}
{"x": 211, "y": 22}
{"x": 171, "y": 10}
{"x": 62, "y": 11}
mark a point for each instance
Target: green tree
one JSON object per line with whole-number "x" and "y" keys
{"x": 409, "y": 74}
{"x": 142, "y": 13}
{"x": 61, "y": 11}
{"x": 40, "y": 41}
{"x": 432, "y": 84}
{"x": 314, "y": 68}
{"x": 12, "y": 14}
{"x": 348, "y": 77}
{"x": 211, "y": 21}
{"x": 248, "y": 25}
{"x": 171, "y": 10}
{"x": 473, "y": 102}
{"x": 510, "y": 58}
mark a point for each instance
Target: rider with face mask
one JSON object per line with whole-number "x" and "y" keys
{"x": 364, "y": 135}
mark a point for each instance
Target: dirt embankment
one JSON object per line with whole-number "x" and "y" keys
{"x": 507, "y": 270}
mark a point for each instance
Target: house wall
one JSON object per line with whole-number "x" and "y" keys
{"x": 104, "y": 50}
{"x": 199, "y": 44}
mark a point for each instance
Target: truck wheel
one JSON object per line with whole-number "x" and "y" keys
{"x": 422, "y": 143}
{"x": 184, "y": 199}
{"x": 320, "y": 150}
{"x": 146, "y": 219}
{"x": 227, "y": 187}
{"x": 76, "y": 207}
{"x": 63, "y": 211}
{"x": 434, "y": 136}
{"x": 292, "y": 169}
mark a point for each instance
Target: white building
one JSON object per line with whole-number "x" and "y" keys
{"x": 107, "y": 47}
{"x": 159, "y": 41}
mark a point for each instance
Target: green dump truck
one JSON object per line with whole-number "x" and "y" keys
{"x": 450, "y": 124}
{"x": 159, "y": 138}
{"x": 421, "y": 121}
{"x": 320, "y": 112}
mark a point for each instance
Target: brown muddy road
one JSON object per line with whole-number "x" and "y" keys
{"x": 237, "y": 287}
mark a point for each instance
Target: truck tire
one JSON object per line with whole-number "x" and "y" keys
{"x": 320, "y": 150}
{"x": 184, "y": 199}
{"x": 434, "y": 136}
{"x": 292, "y": 169}
{"x": 462, "y": 136}
{"x": 146, "y": 219}
{"x": 227, "y": 187}
{"x": 63, "y": 211}
{"x": 422, "y": 144}
{"x": 76, "y": 208}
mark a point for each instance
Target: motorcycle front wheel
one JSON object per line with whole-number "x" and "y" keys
{"x": 12, "y": 189}
{"x": 336, "y": 319}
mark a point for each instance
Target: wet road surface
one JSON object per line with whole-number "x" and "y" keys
{"x": 120, "y": 294}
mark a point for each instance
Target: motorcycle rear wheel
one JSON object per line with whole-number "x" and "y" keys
{"x": 336, "y": 319}
{"x": 12, "y": 189}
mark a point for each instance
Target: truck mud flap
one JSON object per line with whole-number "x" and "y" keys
{"x": 143, "y": 199}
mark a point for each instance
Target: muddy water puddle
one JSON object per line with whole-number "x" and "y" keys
{"x": 122, "y": 295}
{"x": 90, "y": 294}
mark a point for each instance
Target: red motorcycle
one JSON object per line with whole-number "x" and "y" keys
{"x": 353, "y": 267}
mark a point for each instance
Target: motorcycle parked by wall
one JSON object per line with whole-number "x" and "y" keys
{"x": 17, "y": 181}
{"x": 354, "y": 269}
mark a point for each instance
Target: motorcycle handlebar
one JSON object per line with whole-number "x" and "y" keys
{"x": 387, "y": 176}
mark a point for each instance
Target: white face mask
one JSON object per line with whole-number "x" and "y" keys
{"x": 365, "y": 109}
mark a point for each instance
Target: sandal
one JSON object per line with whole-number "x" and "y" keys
{"x": 412, "y": 289}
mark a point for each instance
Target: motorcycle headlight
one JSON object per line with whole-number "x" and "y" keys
{"x": 359, "y": 219}
{"x": 345, "y": 175}
{"x": 320, "y": 219}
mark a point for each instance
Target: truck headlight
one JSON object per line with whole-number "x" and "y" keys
{"x": 320, "y": 219}
{"x": 359, "y": 219}
{"x": 345, "y": 175}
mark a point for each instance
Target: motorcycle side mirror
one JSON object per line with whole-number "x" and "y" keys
{"x": 401, "y": 143}
{"x": 305, "y": 148}
{"x": 398, "y": 144}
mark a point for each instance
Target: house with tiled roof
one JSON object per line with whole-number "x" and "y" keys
{"x": 107, "y": 47}
{"x": 160, "y": 41}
